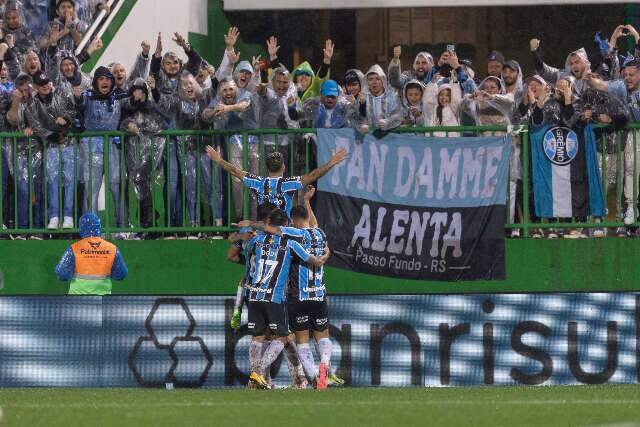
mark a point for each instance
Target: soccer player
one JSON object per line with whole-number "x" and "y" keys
{"x": 267, "y": 286}
{"x": 307, "y": 303}
{"x": 275, "y": 188}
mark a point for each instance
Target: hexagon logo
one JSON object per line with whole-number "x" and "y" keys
{"x": 162, "y": 317}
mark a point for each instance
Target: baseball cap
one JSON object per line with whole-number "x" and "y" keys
{"x": 496, "y": 56}
{"x": 330, "y": 88}
{"x": 41, "y": 79}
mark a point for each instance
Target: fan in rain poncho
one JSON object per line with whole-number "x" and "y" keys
{"x": 28, "y": 155}
{"x": 382, "y": 107}
{"x": 235, "y": 110}
{"x": 185, "y": 108}
{"x": 422, "y": 70}
{"x": 51, "y": 114}
{"x": 490, "y": 105}
{"x": 576, "y": 65}
{"x": 101, "y": 108}
{"x": 143, "y": 150}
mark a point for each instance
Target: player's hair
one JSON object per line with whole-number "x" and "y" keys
{"x": 274, "y": 162}
{"x": 277, "y": 218}
{"x": 265, "y": 210}
{"x": 299, "y": 212}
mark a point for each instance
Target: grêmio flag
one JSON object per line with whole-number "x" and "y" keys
{"x": 415, "y": 207}
{"x": 566, "y": 179}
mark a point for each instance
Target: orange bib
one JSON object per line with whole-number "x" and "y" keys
{"x": 94, "y": 258}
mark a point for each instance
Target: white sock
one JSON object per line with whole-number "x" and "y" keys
{"x": 255, "y": 353}
{"x": 324, "y": 345}
{"x": 306, "y": 357}
{"x": 270, "y": 355}
{"x": 239, "y": 295}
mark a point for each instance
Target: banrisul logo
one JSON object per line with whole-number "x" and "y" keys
{"x": 560, "y": 145}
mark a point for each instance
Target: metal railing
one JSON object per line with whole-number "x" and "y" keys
{"x": 167, "y": 184}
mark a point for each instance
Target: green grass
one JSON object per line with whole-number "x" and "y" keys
{"x": 474, "y": 406}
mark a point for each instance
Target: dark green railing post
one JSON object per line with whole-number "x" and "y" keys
{"x": 525, "y": 184}
{"x": 106, "y": 151}
{"x": 245, "y": 166}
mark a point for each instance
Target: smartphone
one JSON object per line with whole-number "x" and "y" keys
{"x": 451, "y": 47}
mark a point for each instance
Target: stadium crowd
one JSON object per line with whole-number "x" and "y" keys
{"x": 44, "y": 95}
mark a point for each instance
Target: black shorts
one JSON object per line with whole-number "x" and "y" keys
{"x": 268, "y": 314}
{"x": 305, "y": 315}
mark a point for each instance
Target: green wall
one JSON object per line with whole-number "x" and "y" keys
{"x": 200, "y": 267}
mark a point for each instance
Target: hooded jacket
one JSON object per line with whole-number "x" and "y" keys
{"x": 101, "y": 112}
{"x": 23, "y": 38}
{"x": 61, "y": 82}
{"x": 552, "y": 74}
{"x": 316, "y": 81}
{"x": 145, "y": 115}
{"x": 254, "y": 78}
{"x": 408, "y": 118}
{"x": 389, "y": 102}
{"x": 169, "y": 84}
{"x": 451, "y": 113}
{"x": 92, "y": 262}
{"x": 497, "y": 111}
{"x": 518, "y": 92}
{"x": 398, "y": 79}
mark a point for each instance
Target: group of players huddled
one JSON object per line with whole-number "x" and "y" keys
{"x": 284, "y": 252}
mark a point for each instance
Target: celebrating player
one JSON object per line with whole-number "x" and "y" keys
{"x": 275, "y": 189}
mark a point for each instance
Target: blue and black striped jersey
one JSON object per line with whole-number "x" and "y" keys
{"x": 270, "y": 263}
{"x": 306, "y": 281}
{"x": 277, "y": 191}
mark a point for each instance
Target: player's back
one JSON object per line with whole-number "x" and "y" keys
{"x": 270, "y": 267}
{"x": 307, "y": 282}
{"x": 278, "y": 191}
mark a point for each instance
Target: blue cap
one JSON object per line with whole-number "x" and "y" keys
{"x": 245, "y": 230}
{"x": 330, "y": 88}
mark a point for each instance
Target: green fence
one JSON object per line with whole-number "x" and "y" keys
{"x": 185, "y": 192}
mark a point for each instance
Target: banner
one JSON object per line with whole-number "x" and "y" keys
{"x": 379, "y": 340}
{"x": 415, "y": 207}
{"x": 566, "y": 178}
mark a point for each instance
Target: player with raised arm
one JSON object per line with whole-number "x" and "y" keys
{"x": 275, "y": 188}
{"x": 272, "y": 257}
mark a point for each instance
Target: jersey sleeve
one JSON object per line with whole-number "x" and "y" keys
{"x": 291, "y": 184}
{"x": 253, "y": 182}
{"x": 297, "y": 249}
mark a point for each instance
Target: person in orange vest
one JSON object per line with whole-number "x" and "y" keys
{"x": 92, "y": 262}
